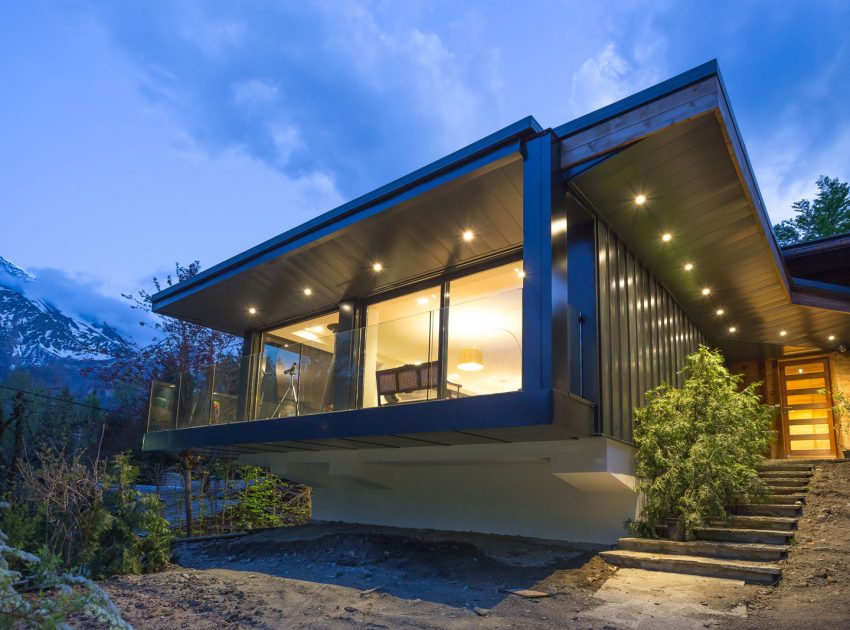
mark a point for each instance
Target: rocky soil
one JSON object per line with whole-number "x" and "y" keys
{"x": 341, "y": 576}
{"x": 815, "y": 587}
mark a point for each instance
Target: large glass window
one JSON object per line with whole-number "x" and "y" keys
{"x": 297, "y": 368}
{"x": 400, "y": 355}
{"x": 485, "y": 332}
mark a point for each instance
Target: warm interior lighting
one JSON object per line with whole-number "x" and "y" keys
{"x": 252, "y": 311}
{"x": 468, "y": 235}
{"x": 345, "y": 307}
{"x": 732, "y": 329}
{"x": 689, "y": 266}
{"x": 831, "y": 337}
{"x": 471, "y": 360}
{"x": 377, "y": 266}
{"x": 519, "y": 273}
{"x": 782, "y": 333}
{"x": 706, "y": 291}
{"x": 306, "y": 334}
{"x": 308, "y": 291}
{"x": 666, "y": 237}
{"x": 422, "y": 301}
{"x": 799, "y": 370}
{"x": 640, "y": 199}
{"x": 719, "y": 311}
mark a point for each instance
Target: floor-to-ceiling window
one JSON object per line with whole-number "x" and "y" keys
{"x": 415, "y": 351}
{"x": 484, "y": 349}
{"x": 401, "y": 349}
{"x": 297, "y": 367}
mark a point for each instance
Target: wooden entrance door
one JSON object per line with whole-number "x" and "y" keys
{"x": 804, "y": 386}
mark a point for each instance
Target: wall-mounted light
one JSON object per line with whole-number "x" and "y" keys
{"x": 471, "y": 360}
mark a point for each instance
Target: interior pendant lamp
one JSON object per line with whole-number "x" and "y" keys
{"x": 471, "y": 360}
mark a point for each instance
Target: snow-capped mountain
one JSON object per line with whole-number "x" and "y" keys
{"x": 34, "y": 332}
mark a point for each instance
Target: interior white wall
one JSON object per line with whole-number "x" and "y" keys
{"x": 573, "y": 490}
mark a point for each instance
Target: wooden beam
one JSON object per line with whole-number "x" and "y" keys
{"x": 696, "y": 100}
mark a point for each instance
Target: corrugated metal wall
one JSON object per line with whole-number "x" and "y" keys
{"x": 644, "y": 336}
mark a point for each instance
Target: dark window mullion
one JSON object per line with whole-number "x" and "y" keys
{"x": 443, "y": 341}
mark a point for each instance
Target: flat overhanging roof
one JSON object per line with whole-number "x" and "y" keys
{"x": 332, "y": 254}
{"x": 681, "y": 148}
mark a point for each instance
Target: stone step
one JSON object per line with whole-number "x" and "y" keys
{"x": 783, "y": 482}
{"x": 732, "y": 551}
{"x": 773, "y": 464}
{"x": 752, "y": 572}
{"x": 791, "y": 474}
{"x": 768, "y": 509}
{"x": 745, "y": 535}
{"x": 757, "y": 521}
{"x": 786, "y": 489}
{"x": 786, "y": 498}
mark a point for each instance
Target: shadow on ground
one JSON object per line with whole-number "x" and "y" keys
{"x": 472, "y": 571}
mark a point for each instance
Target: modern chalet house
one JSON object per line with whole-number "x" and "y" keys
{"x": 463, "y": 348}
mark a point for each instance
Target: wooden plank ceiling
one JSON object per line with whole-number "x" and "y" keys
{"x": 695, "y": 194}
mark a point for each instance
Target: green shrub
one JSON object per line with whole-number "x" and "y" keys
{"x": 698, "y": 445}
{"x": 36, "y": 593}
{"x": 136, "y": 538}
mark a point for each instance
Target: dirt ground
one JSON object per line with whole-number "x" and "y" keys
{"x": 343, "y": 576}
{"x": 815, "y": 587}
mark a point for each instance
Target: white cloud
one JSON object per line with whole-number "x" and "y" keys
{"x": 608, "y": 76}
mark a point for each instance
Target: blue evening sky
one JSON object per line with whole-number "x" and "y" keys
{"x": 136, "y": 134}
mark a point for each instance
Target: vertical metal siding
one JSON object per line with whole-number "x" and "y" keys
{"x": 644, "y": 335}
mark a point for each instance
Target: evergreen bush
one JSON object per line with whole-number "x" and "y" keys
{"x": 697, "y": 446}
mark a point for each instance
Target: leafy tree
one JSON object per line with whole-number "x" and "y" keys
{"x": 827, "y": 215}
{"x": 178, "y": 346}
{"x": 698, "y": 445}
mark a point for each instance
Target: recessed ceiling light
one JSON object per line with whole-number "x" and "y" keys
{"x": 468, "y": 235}
{"x": 706, "y": 291}
{"x": 666, "y": 237}
{"x": 520, "y": 274}
{"x": 252, "y": 311}
{"x": 732, "y": 329}
{"x": 377, "y": 266}
{"x": 782, "y": 333}
{"x": 689, "y": 266}
{"x": 346, "y": 307}
{"x": 422, "y": 301}
{"x": 831, "y": 337}
{"x": 308, "y": 291}
{"x": 799, "y": 370}
{"x": 640, "y": 199}
{"x": 719, "y": 311}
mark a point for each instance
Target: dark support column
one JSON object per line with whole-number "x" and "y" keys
{"x": 442, "y": 357}
{"x": 345, "y": 353}
{"x": 248, "y": 375}
{"x": 538, "y": 185}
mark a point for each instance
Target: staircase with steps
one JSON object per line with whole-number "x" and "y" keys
{"x": 748, "y": 546}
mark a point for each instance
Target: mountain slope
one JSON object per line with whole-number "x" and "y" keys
{"x": 35, "y": 333}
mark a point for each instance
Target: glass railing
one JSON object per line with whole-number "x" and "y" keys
{"x": 468, "y": 349}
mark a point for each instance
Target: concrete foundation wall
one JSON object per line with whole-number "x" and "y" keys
{"x": 573, "y": 490}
